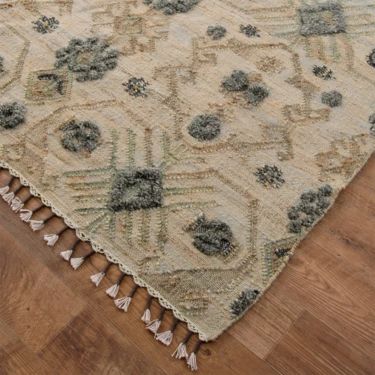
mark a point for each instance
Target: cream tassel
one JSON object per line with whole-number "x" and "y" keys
{"x": 192, "y": 362}
{"x": 51, "y": 239}
{"x": 113, "y": 290}
{"x": 181, "y": 351}
{"x": 97, "y": 278}
{"x": 165, "y": 337}
{"x": 8, "y": 197}
{"x": 36, "y": 224}
{"x": 25, "y": 215}
{"x": 154, "y": 326}
{"x": 4, "y": 190}
{"x": 76, "y": 262}
{"x": 123, "y": 303}
{"x": 66, "y": 254}
{"x": 146, "y": 317}
{"x": 17, "y": 204}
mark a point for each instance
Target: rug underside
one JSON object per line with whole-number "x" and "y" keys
{"x": 193, "y": 142}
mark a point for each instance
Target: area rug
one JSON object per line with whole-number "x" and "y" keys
{"x": 193, "y": 142}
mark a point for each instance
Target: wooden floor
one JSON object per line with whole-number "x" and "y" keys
{"x": 317, "y": 318}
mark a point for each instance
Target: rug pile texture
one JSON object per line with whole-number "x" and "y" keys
{"x": 193, "y": 142}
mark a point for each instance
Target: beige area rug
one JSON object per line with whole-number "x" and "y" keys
{"x": 194, "y": 143}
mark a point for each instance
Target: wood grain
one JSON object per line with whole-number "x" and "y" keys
{"x": 317, "y": 318}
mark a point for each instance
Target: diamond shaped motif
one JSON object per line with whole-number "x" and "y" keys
{"x": 322, "y": 19}
{"x": 136, "y": 189}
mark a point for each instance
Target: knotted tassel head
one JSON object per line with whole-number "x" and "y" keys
{"x": 36, "y": 224}
{"x": 8, "y": 197}
{"x": 76, "y": 262}
{"x": 25, "y": 215}
{"x": 123, "y": 303}
{"x": 4, "y": 190}
{"x": 165, "y": 337}
{"x": 192, "y": 362}
{"x": 113, "y": 290}
{"x": 181, "y": 351}
{"x": 16, "y": 204}
{"x": 51, "y": 239}
{"x": 97, "y": 278}
{"x": 66, "y": 254}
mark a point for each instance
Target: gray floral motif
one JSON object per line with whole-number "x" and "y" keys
{"x": 216, "y": 32}
{"x": 332, "y": 98}
{"x": 80, "y": 136}
{"x": 322, "y": 19}
{"x": 237, "y": 81}
{"x": 371, "y": 58}
{"x": 172, "y": 6}
{"x": 249, "y": 31}
{"x": 371, "y": 120}
{"x": 243, "y": 302}
{"x": 11, "y": 115}
{"x": 45, "y": 24}
{"x": 309, "y": 209}
{"x": 135, "y": 189}
{"x": 1, "y": 64}
{"x": 282, "y": 252}
{"x": 205, "y": 127}
{"x": 255, "y": 94}
{"x": 211, "y": 237}
{"x": 136, "y": 86}
{"x": 270, "y": 175}
{"x": 89, "y": 58}
{"x": 323, "y": 72}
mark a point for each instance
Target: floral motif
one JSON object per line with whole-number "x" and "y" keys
{"x": 323, "y": 72}
{"x": 255, "y": 94}
{"x": 237, "y": 81}
{"x": 136, "y": 189}
{"x": 216, "y": 32}
{"x": 1, "y": 64}
{"x": 89, "y": 58}
{"x": 371, "y": 58}
{"x": 244, "y": 301}
{"x": 45, "y": 24}
{"x": 332, "y": 98}
{"x": 80, "y": 136}
{"x": 136, "y": 86}
{"x": 310, "y": 208}
{"x": 211, "y": 237}
{"x": 11, "y": 115}
{"x": 270, "y": 175}
{"x": 249, "y": 30}
{"x": 172, "y": 6}
{"x": 205, "y": 127}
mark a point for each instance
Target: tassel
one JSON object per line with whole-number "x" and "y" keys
{"x": 17, "y": 204}
{"x": 76, "y": 262}
{"x": 4, "y": 190}
{"x": 113, "y": 290}
{"x": 36, "y": 224}
{"x": 51, "y": 239}
{"x": 146, "y": 317}
{"x": 181, "y": 351}
{"x": 192, "y": 362}
{"x": 154, "y": 326}
{"x": 123, "y": 303}
{"x": 165, "y": 337}
{"x": 66, "y": 254}
{"x": 97, "y": 278}
{"x": 25, "y": 215}
{"x": 8, "y": 197}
